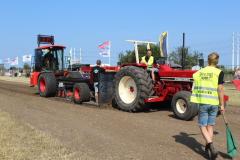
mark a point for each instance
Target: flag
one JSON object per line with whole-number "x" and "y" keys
{"x": 236, "y": 84}
{"x": 27, "y": 58}
{"x": 14, "y": 61}
{"x": 231, "y": 143}
{"x": 163, "y": 44}
{"x": 104, "y": 49}
{"x": 6, "y": 61}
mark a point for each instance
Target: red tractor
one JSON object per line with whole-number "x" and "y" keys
{"x": 130, "y": 86}
{"x": 134, "y": 88}
{"x": 52, "y": 77}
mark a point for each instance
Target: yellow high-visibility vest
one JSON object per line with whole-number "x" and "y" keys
{"x": 205, "y": 87}
{"x": 150, "y": 61}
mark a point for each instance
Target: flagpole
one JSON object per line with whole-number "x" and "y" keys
{"x": 167, "y": 48}
{"x": 233, "y": 50}
{"x": 109, "y": 62}
{"x": 74, "y": 55}
{"x": 80, "y": 58}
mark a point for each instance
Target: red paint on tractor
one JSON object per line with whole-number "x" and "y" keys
{"x": 76, "y": 94}
{"x": 141, "y": 65}
{"x": 154, "y": 99}
{"x": 42, "y": 85}
{"x": 34, "y": 78}
{"x": 69, "y": 94}
{"x": 167, "y": 71}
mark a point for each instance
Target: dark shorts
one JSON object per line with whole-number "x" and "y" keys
{"x": 207, "y": 115}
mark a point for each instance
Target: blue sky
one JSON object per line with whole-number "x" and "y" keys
{"x": 75, "y": 23}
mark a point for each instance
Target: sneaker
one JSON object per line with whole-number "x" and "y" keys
{"x": 212, "y": 153}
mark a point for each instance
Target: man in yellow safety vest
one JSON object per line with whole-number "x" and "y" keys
{"x": 209, "y": 95}
{"x": 149, "y": 61}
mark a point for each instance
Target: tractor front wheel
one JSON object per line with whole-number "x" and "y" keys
{"x": 47, "y": 85}
{"x": 182, "y": 107}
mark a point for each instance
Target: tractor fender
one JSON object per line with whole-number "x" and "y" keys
{"x": 141, "y": 65}
{"x": 34, "y": 77}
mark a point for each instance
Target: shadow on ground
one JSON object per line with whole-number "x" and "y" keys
{"x": 155, "y": 107}
{"x": 193, "y": 144}
{"x": 190, "y": 142}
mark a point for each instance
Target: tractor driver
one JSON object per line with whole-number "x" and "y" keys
{"x": 47, "y": 59}
{"x": 150, "y": 62}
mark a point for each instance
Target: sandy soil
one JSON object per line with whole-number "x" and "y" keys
{"x": 96, "y": 133}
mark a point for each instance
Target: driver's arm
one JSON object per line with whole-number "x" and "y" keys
{"x": 142, "y": 61}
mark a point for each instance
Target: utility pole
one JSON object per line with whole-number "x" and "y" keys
{"x": 233, "y": 51}
{"x": 183, "y": 52}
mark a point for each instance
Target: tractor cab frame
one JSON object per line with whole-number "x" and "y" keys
{"x": 49, "y": 57}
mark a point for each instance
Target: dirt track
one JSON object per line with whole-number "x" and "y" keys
{"x": 111, "y": 134}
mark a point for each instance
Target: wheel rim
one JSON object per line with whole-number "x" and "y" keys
{"x": 76, "y": 94}
{"x": 42, "y": 85}
{"x": 181, "y": 106}
{"x": 127, "y": 89}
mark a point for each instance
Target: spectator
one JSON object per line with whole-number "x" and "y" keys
{"x": 96, "y": 72}
{"x": 237, "y": 74}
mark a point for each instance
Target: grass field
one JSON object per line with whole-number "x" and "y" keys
{"x": 20, "y": 142}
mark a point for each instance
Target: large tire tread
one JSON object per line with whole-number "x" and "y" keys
{"x": 192, "y": 109}
{"x": 51, "y": 84}
{"x": 144, "y": 87}
{"x": 84, "y": 92}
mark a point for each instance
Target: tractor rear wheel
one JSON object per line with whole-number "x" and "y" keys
{"x": 81, "y": 93}
{"x": 182, "y": 107}
{"x": 47, "y": 85}
{"x": 132, "y": 85}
